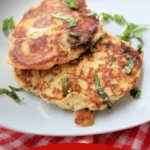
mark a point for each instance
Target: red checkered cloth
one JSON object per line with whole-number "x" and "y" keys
{"x": 137, "y": 138}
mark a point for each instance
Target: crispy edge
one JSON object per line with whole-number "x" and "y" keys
{"x": 84, "y": 117}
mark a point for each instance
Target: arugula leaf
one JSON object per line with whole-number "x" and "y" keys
{"x": 135, "y": 92}
{"x": 128, "y": 69}
{"x": 101, "y": 92}
{"x": 66, "y": 80}
{"x": 71, "y": 20}
{"x": 73, "y": 34}
{"x": 12, "y": 94}
{"x": 8, "y": 24}
{"x": 71, "y": 4}
{"x": 91, "y": 14}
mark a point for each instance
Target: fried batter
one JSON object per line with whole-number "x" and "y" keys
{"x": 40, "y": 40}
{"x": 81, "y": 92}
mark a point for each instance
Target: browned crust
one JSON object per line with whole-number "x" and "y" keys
{"x": 113, "y": 79}
{"x": 84, "y": 118}
{"x": 40, "y": 55}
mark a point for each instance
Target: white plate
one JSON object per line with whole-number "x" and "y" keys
{"x": 33, "y": 115}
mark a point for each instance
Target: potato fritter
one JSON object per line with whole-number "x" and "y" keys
{"x": 81, "y": 92}
{"x": 40, "y": 40}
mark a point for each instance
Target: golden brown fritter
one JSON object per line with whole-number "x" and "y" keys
{"x": 40, "y": 40}
{"x": 81, "y": 92}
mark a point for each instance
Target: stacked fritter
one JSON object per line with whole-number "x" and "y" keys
{"x": 41, "y": 40}
{"x": 71, "y": 72}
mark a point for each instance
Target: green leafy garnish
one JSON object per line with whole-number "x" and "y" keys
{"x": 16, "y": 89}
{"x": 12, "y": 94}
{"x": 132, "y": 30}
{"x": 120, "y": 20}
{"x": 8, "y": 24}
{"x": 114, "y": 63}
{"x": 135, "y": 92}
{"x": 4, "y": 91}
{"x": 101, "y": 92}
{"x": 128, "y": 69}
{"x": 116, "y": 95}
{"x": 71, "y": 20}
{"x": 71, "y": 93}
{"x": 66, "y": 80}
{"x": 91, "y": 14}
{"x": 73, "y": 34}
{"x": 107, "y": 17}
{"x": 71, "y": 4}
{"x": 64, "y": 51}
{"x": 15, "y": 97}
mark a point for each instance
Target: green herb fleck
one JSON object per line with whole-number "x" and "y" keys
{"x": 116, "y": 95}
{"x": 106, "y": 17}
{"x": 71, "y": 4}
{"x": 128, "y": 69}
{"x": 135, "y": 92}
{"x": 16, "y": 89}
{"x": 8, "y": 24}
{"x": 15, "y": 97}
{"x": 64, "y": 51}
{"x": 114, "y": 63}
{"x": 91, "y": 14}
{"x": 132, "y": 30}
{"x": 4, "y": 91}
{"x": 12, "y": 94}
{"x": 66, "y": 80}
{"x": 101, "y": 92}
{"x": 29, "y": 90}
{"x": 120, "y": 20}
{"x": 75, "y": 35}
{"x": 41, "y": 10}
{"x": 71, "y": 20}
{"x": 71, "y": 93}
